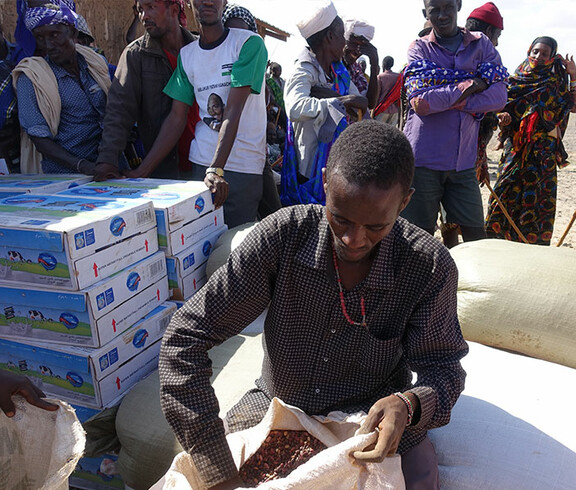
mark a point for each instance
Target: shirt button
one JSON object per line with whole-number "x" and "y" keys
{"x": 317, "y": 391}
{"x": 325, "y": 359}
{"x": 333, "y": 330}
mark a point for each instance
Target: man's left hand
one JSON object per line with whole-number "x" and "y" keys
{"x": 389, "y": 416}
{"x": 219, "y": 187}
{"x": 13, "y": 384}
{"x": 370, "y": 50}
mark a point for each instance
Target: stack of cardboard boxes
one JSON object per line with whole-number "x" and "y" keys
{"x": 84, "y": 284}
{"x": 188, "y": 224}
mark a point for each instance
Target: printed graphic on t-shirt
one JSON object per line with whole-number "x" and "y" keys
{"x": 215, "y": 109}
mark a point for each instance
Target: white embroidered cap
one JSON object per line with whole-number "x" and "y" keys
{"x": 320, "y": 19}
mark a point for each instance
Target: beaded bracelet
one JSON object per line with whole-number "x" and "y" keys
{"x": 408, "y": 404}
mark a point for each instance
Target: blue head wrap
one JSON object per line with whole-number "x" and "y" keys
{"x": 58, "y": 12}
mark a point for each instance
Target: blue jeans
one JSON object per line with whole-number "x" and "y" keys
{"x": 458, "y": 192}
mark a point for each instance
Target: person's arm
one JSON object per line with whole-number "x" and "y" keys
{"x": 12, "y": 384}
{"x": 438, "y": 99}
{"x": 181, "y": 91}
{"x": 494, "y": 97}
{"x": 235, "y": 295}
{"x": 433, "y": 347}
{"x": 170, "y": 132}
{"x": 373, "y": 86}
{"x": 122, "y": 109}
{"x": 53, "y": 151}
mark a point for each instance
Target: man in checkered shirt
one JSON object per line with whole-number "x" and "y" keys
{"x": 359, "y": 300}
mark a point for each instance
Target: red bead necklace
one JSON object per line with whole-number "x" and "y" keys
{"x": 341, "y": 294}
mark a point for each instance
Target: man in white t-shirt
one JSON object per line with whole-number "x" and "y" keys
{"x": 223, "y": 70}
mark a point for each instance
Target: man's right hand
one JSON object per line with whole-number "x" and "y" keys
{"x": 354, "y": 102}
{"x": 13, "y": 384}
{"x": 106, "y": 171}
{"x": 323, "y": 93}
{"x": 219, "y": 187}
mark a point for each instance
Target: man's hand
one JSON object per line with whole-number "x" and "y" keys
{"x": 389, "y": 416}
{"x": 323, "y": 93}
{"x": 354, "y": 102}
{"x": 570, "y": 66}
{"x": 482, "y": 174}
{"x": 87, "y": 167}
{"x": 106, "y": 171}
{"x": 232, "y": 484}
{"x": 504, "y": 119}
{"x": 370, "y": 50}
{"x": 13, "y": 384}
{"x": 219, "y": 187}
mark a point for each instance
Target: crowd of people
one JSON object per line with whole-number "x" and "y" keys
{"x": 359, "y": 294}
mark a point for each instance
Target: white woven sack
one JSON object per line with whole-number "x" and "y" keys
{"x": 518, "y": 297}
{"x": 40, "y": 449}
{"x": 331, "y": 469}
{"x": 507, "y": 430}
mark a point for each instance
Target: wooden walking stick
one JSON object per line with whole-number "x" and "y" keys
{"x": 567, "y": 229}
{"x": 508, "y": 217}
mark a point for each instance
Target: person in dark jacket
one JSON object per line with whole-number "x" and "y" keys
{"x": 136, "y": 94}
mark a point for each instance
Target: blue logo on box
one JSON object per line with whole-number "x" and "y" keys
{"x": 75, "y": 379}
{"x": 48, "y": 261}
{"x": 104, "y": 363}
{"x": 79, "y": 240}
{"x": 117, "y": 226}
{"x": 69, "y": 320}
{"x": 133, "y": 281}
{"x": 101, "y": 301}
{"x": 140, "y": 338}
{"x": 207, "y": 248}
{"x": 199, "y": 205}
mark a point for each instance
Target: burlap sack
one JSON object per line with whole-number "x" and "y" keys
{"x": 519, "y": 297}
{"x": 331, "y": 469}
{"x": 39, "y": 449}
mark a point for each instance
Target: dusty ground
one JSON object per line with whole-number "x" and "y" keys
{"x": 566, "y": 205}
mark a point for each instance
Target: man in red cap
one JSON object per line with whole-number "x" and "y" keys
{"x": 486, "y": 19}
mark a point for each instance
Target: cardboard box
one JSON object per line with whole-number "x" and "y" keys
{"x": 98, "y": 473}
{"x": 186, "y": 262}
{"x": 176, "y": 202}
{"x": 15, "y": 184}
{"x": 68, "y": 373}
{"x": 89, "y": 318}
{"x": 71, "y": 243}
{"x": 193, "y": 232}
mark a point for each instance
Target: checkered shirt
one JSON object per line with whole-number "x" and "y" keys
{"x": 313, "y": 358}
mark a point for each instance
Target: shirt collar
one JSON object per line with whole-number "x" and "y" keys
{"x": 467, "y": 37}
{"x": 60, "y": 72}
{"x": 315, "y": 253}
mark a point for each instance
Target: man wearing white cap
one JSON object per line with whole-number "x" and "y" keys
{"x": 359, "y": 34}
{"x": 317, "y": 97}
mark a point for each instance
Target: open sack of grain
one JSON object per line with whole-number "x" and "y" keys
{"x": 39, "y": 449}
{"x": 519, "y": 297}
{"x": 330, "y": 469}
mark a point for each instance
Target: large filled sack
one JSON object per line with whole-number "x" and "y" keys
{"x": 329, "y": 469}
{"x": 227, "y": 242}
{"x": 510, "y": 429}
{"x": 39, "y": 449}
{"x": 148, "y": 444}
{"x": 519, "y": 297}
